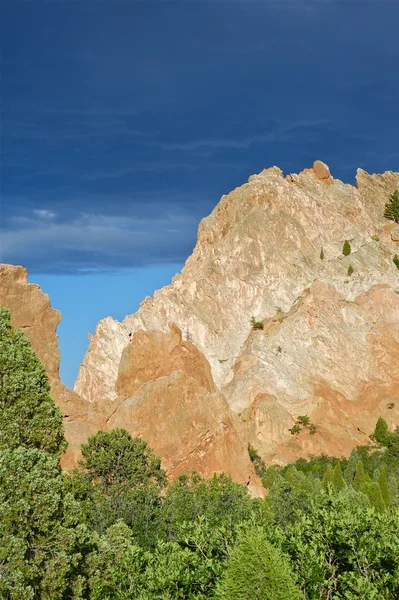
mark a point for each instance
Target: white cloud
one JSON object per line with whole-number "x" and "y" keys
{"x": 46, "y": 215}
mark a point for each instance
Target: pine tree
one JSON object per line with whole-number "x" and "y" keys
{"x": 28, "y": 415}
{"x": 392, "y": 207}
{"x": 257, "y": 570}
{"x": 381, "y": 432}
{"x": 322, "y": 254}
{"x": 328, "y": 478}
{"x": 350, "y": 470}
{"x": 373, "y": 491}
{"x": 350, "y": 270}
{"x": 346, "y": 250}
{"x": 361, "y": 477}
{"x": 384, "y": 486}
{"x": 338, "y": 480}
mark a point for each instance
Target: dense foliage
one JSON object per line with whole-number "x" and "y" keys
{"x": 114, "y": 530}
{"x": 28, "y": 415}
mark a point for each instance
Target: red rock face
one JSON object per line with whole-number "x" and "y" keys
{"x": 166, "y": 393}
{"x": 197, "y": 382}
{"x": 168, "y": 397}
{"x": 31, "y": 311}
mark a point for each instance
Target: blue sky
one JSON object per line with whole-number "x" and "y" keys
{"x": 124, "y": 121}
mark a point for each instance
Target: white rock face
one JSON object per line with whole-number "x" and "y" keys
{"x": 256, "y": 254}
{"x": 99, "y": 370}
{"x": 273, "y": 249}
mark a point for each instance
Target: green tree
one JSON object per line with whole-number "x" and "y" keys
{"x": 189, "y": 566}
{"x": 28, "y": 415}
{"x": 373, "y": 492}
{"x": 338, "y": 481}
{"x": 322, "y": 254}
{"x": 396, "y": 260}
{"x": 219, "y": 500}
{"x": 328, "y": 478}
{"x": 384, "y": 486}
{"x": 346, "y": 250}
{"x": 115, "y": 568}
{"x": 256, "y": 460}
{"x": 116, "y": 458}
{"x": 42, "y": 542}
{"x": 258, "y": 571}
{"x": 121, "y": 478}
{"x": 361, "y": 478}
{"x": 350, "y": 469}
{"x": 381, "y": 432}
{"x": 350, "y": 270}
{"x": 342, "y": 548}
{"x": 392, "y": 207}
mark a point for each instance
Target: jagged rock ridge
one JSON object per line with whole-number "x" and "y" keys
{"x": 199, "y": 384}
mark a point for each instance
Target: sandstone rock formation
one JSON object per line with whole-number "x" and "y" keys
{"x": 168, "y": 397}
{"x": 329, "y": 347}
{"x": 31, "y": 311}
{"x": 172, "y": 401}
{"x": 189, "y": 374}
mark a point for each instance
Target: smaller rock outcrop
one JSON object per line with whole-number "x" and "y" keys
{"x": 322, "y": 172}
{"x": 168, "y": 397}
{"x": 31, "y": 311}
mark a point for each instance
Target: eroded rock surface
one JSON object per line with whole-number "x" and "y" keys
{"x": 259, "y": 254}
{"x": 168, "y": 397}
{"x": 198, "y": 383}
{"x": 31, "y": 311}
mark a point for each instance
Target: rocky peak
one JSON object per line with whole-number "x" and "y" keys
{"x": 259, "y": 254}
{"x": 191, "y": 375}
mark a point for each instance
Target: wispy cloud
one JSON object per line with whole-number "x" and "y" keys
{"x": 279, "y": 133}
{"x": 92, "y": 242}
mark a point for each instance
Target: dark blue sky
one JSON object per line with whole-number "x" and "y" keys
{"x": 124, "y": 121}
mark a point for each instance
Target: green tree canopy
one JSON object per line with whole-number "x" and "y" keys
{"x": 257, "y": 570}
{"x": 338, "y": 480}
{"x": 120, "y": 479}
{"x": 28, "y": 415}
{"x": 381, "y": 432}
{"x": 42, "y": 542}
{"x": 116, "y": 458}
{"x": 361, "y": 476}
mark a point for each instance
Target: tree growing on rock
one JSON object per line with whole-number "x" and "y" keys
{"x": 346, "y": 250}
{"x": 392, "y": 207}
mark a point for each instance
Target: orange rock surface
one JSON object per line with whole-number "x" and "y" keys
{"x": 197, "y": 382}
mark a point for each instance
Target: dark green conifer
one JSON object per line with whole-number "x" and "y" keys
{"x": 381, "y": 432}
{"x": 346, "y": 250}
